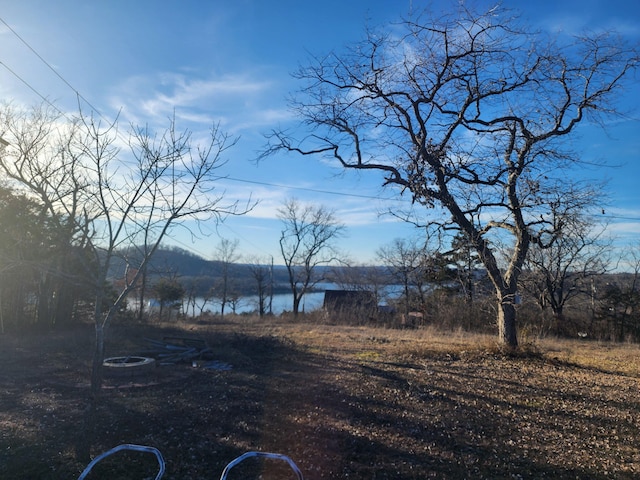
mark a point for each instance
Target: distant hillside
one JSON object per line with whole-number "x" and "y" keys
{"x": 190, "y": 268}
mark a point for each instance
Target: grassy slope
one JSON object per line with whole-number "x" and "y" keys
{"x": 343, "y": 402}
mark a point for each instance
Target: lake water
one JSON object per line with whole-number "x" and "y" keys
{"x": 281, "y": 303}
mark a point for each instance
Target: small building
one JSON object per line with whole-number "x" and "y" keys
{"x": 357, "y": 305}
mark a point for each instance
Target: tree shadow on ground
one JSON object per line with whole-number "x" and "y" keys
{"x": 334, "y": 414}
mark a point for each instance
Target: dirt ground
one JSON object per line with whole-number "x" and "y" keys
{"x": 342, "y": 402}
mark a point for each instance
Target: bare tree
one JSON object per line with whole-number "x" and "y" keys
{"x": 620, "y": 299}
{"x": 262, "y": 273}
{"x": 307, "y": 242}
{"x": 468, "y": 112}
{"x": 25, "y": 243}
{"x": 108, "y": 201}
{"x": 563, "y": 266}
{"x": 226, "y": 255}
{"x": 191, "y": 295}
{"x": 360, "y": 277}
{"x": 30, "y": 135}
{"x": 407, "y": 260}
{"x": 466, "y": 262}
{"x": 169, "y": 293}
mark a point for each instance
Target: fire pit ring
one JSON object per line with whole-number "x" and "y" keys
{"x": 129, "y": 366}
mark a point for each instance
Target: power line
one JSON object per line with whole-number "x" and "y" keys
{"x": 207, "y": 256}
{"x": 616, "y": 217}
{"x": 314, "y": 190}
{"x": 50, "y": 68}
{"x": 188, "y": 247}
{"x": 68, "y": 84}
{"x": 33, "y": 89}
{"x": 79, "y": 95}
{"x": 372, "y": 197}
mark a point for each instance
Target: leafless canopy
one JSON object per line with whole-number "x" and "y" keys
{"x": 467, "y": 112}
{"x": 105, "y": 200}
{"x": 307, "y": 241}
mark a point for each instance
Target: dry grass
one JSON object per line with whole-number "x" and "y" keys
{"x": 342, "y": 401}
{"x": 620, "y": 358}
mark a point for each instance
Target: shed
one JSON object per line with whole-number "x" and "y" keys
{"x": 358, "y": 303}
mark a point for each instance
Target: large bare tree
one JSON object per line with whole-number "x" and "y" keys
{"x": 469, "y": 112}
{"x": 108, "y": 200}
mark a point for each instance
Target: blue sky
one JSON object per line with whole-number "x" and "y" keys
{"x": 231, "y": 62}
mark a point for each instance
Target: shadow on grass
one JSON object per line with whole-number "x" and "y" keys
{"x": 334, "y": 416}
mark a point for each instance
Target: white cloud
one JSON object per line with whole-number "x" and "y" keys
{"x": 238, "y": 101}
{"x": 625, "y": 229}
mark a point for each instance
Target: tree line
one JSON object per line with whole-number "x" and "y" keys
{"x": 570, "y": 288}
{"x": 468, "y": 113}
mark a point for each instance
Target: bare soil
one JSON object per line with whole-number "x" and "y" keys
{"x": 342, "y": 402}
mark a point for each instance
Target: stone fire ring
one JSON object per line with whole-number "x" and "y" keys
{"x": 130, "y": 366}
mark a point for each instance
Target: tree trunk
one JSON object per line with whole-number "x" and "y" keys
{"x": 406, "y": 300}
{"x": 44, "y": 302}
{"x": 143, "y": 286}
{"x": 98, "y": 358}
{"x": 1, "y": 316}
{"x": 559, "y": 319}
{"x": 63, "y": 306}
{"x": 507, "y": 331}
{"x": 86, "y": 437}
{"x": 296, "y": 304}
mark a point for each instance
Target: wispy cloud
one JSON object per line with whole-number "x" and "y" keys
{"x": 590, "y": 20}
{"x": 238, "y": 101}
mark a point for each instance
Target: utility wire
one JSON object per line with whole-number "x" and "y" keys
{"x": 328, "y": 192}
{"x": 79, "y": 95}
{"x": 208, "y": 256}
{"x": 633, "y": 219}
{"x": 33, "y": 89}
{"x": 372, "y": 197}
{"x": 68, "y": 84}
